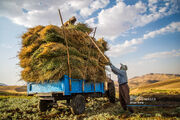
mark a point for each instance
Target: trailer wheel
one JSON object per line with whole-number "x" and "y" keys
{"x": 45, "y": 105}
{"x": 111, "y": 92}
{"x": 78, "y": 104}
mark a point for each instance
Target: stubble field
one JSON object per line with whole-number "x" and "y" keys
{"x": 24, "y": 107}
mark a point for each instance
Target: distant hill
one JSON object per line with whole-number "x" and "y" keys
{"x": 2, "y": 84}
{"x": 13, "y": 89}
{"x": 171, "y": 86}
{"x": 149, "y": 79}
{"x": 166, "y": 84}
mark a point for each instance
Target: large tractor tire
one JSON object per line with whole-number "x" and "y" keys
{"x": 45, "y": 105}
{"x": 78, "y": 104}
{"x": 111, "y": 92}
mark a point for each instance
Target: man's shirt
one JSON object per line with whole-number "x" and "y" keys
{"x": 122, "y": 75}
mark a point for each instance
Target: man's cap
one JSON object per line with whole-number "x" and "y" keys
{"x": 123, "y": 67}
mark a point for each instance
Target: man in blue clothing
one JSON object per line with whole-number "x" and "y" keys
{"x": 123, "y": 86}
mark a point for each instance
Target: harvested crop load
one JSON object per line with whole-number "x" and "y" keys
{"x": 43, "y": 55}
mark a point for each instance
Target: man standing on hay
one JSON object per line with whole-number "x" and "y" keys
{"x": 123, "y": 86}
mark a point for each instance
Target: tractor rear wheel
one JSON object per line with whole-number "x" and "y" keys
{"x": 78, "y": 104}
{"x": 111, "y": 91}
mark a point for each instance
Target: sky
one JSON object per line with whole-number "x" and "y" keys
{"x": 143, "y": 34}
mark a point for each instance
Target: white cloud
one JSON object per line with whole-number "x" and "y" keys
{"x": 90, "y": 22}
{"x": 119, "y": 50}
{"x": 93, "y": 6}
{"x": 175, "y": 26}
{"x": 145, "y": 62}
{"x": 43, "y": 13}
{"x": 151, "y": 2}
{"x": 129, "y": 46}
{"x": 166, "y": 54}
{"x": 114, "y": 21}
{"x": 152, "y": 5}
{"x": 111, "y": 22}
{"x": 40, "y": 12}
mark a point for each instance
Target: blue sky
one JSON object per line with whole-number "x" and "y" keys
{"x": 144, "y": 34}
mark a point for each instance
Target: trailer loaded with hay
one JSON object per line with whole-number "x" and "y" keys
{"x": 65, "y": 63}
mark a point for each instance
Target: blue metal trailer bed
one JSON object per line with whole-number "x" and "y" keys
{"x": 62, "y": 85}
{"x": 75, "y": 92}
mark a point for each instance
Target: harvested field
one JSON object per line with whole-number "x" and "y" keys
{"x": 23, "y": 107}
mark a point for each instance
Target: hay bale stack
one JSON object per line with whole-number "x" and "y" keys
{"x": 43, "y": 54}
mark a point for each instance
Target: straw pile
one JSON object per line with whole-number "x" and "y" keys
{"x": 43, "y": 55}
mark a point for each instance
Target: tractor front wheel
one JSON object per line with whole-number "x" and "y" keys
{"x": 78, "y": 104}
